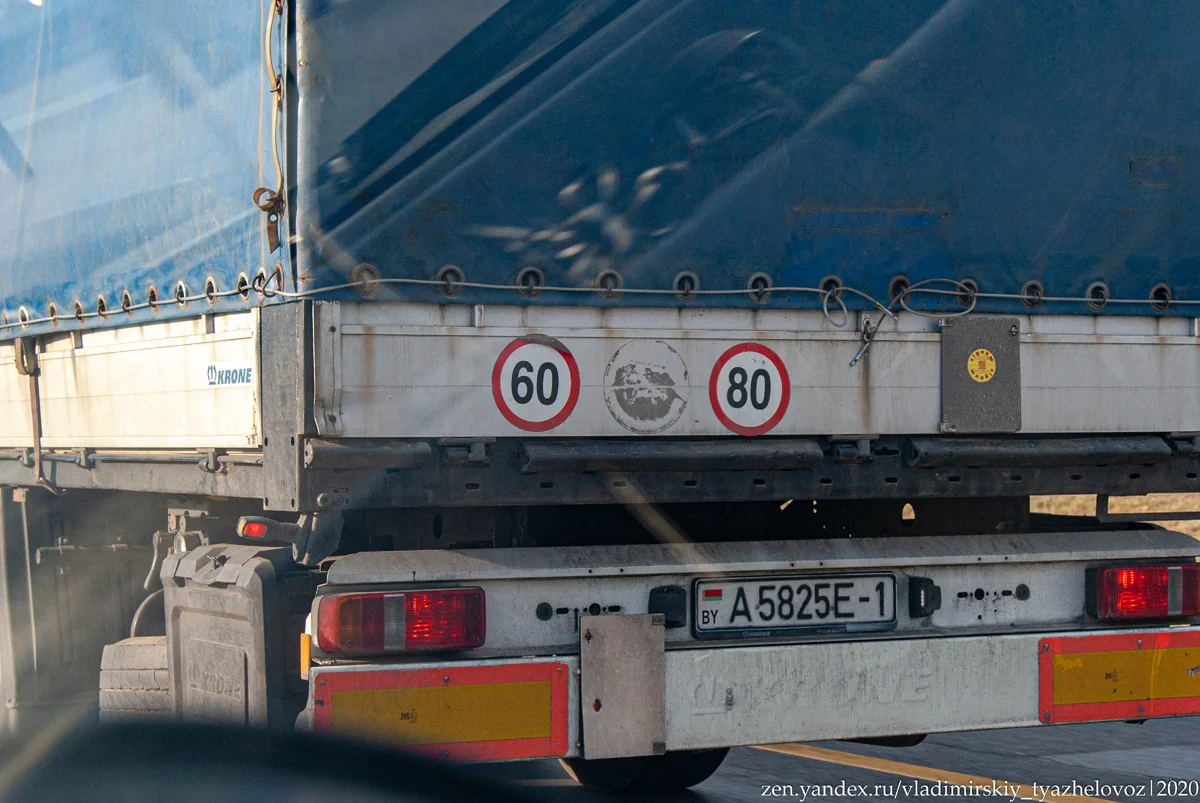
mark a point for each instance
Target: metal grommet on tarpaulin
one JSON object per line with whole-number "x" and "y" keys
{"x": 832, "y": 286}
{"x": 531, "y": 281}
{"x": 968, "y": 292}
{"x": 897, "y": 286}
{"x": 609, "y": 284}
{"x": 450, "y": 280}
{"x": 1032, "y": 294}
{"x": 759, "y": 287}
{"x": 366, "y": 279}
{"x": 1160, "y": 297}
{"x": 243, "y": 286}
{"x": 686, "y": 284}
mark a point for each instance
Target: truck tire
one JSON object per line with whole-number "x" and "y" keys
{"x": 670, "y": 772}
{"x": 134, "y": 684}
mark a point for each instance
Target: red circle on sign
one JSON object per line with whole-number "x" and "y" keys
{"x": 785, "y": 394}
{"x": 509, "y": 414}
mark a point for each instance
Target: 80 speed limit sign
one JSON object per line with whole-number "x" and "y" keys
{"x": 535, "y": 384}
{"x": 749, "y": 389}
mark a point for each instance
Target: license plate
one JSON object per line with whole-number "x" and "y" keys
{"x": 762, "y": 606}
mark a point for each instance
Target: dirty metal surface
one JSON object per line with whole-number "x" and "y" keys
{"x": 399, "y": 370}
{"x": 981, "y": 375}
{"x": 623, "y": 685}
{"x": 1018, "y": 583}
{"x": 579, "y": 563}
{"x": 173, "y": 385}
{"x": 765, "y": 695}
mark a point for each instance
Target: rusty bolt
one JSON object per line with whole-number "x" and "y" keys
{"x": 596, "y": 706}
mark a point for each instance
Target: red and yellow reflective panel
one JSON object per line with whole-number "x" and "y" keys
{"x": 472, "y": 713}
{"x": 1126, "y": 676}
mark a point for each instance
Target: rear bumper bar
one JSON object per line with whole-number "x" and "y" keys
{"x": 731, "y": 696}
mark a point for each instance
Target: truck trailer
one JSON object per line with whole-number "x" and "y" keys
{"x": 615, "y": 381}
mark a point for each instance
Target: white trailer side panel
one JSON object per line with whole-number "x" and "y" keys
{"x": 180, "y": 385}
{"x": 16, "y": 422}
{"x": 401, "y": 370}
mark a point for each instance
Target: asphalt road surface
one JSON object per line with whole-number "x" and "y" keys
{"x": 1107, "y": 762}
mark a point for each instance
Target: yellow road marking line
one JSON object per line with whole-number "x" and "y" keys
{"x": 917, "y": 771}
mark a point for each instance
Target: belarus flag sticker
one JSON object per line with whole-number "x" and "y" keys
{"x": 712, "y": 595}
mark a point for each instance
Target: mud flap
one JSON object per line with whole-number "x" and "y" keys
{"x": 234, "y": 618}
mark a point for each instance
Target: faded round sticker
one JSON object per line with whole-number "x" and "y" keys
{"x": 646, "y": 386}
{"x": 981, "y": 365}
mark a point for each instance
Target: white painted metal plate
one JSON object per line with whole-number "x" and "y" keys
{"x": 187, "y": 384}
{"x": 403, "y": 370}
{"x": 17, "y": 427}
{"x": 764, "y": 695}
{"x": 622, "y": 685}
{"x": 571, "y": 580}
{"x": 777, "y": 604}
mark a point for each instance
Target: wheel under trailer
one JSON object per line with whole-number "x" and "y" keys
{"x": 619, "y": 651}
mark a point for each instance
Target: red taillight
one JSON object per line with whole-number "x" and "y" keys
{"x": 443, "y": 620}
{"x": 254, "y": 529}
{"x": 261, "y": 528}
{"x": 440, "y": 619}
{"x": 1147, "y": 592}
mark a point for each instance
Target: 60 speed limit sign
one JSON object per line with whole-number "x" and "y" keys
{"x": 749, "y": 389}
{"x": 535, "y": 384}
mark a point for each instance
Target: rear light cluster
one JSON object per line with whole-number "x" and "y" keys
{"x": 438, "y": 619}
{"x": 1145, "y": 592}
